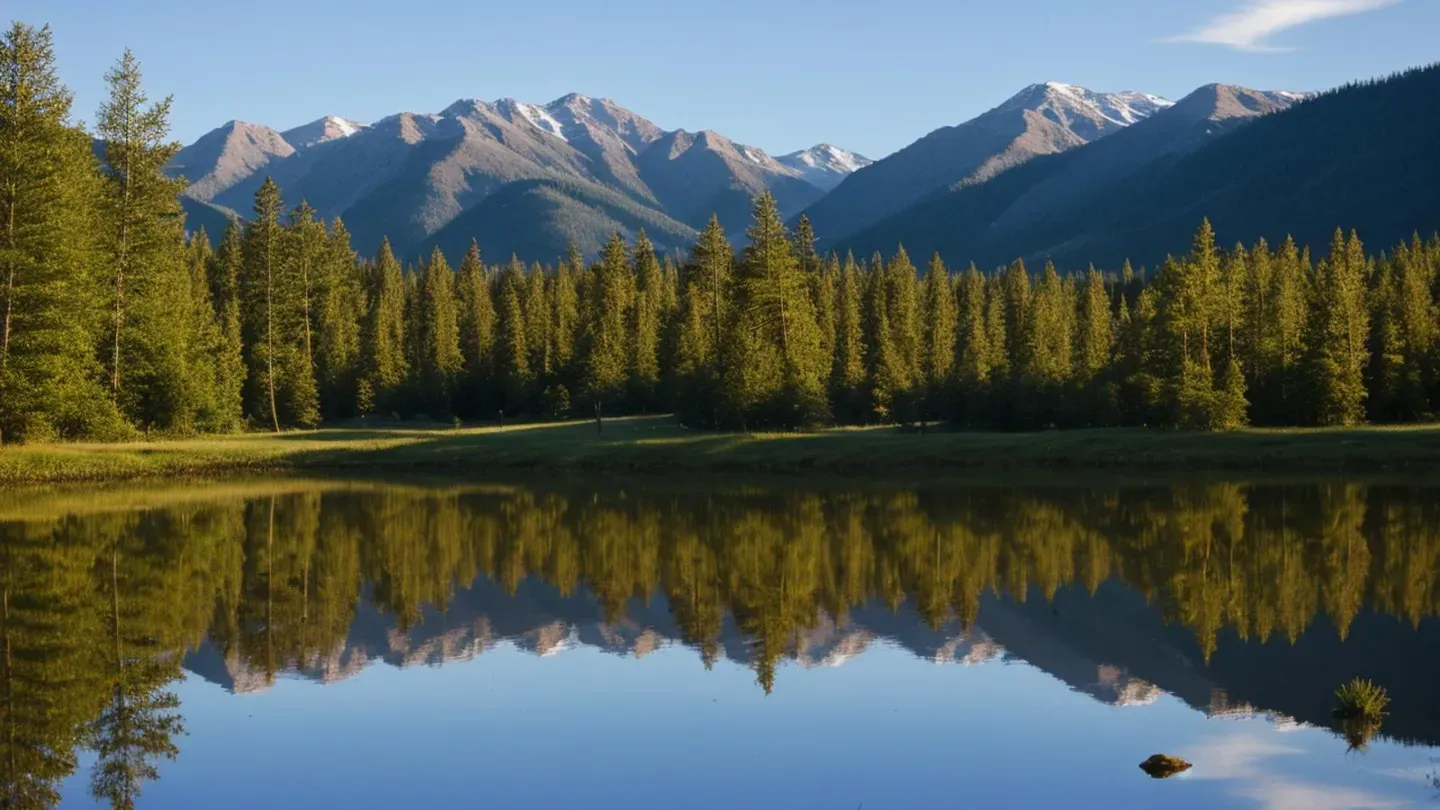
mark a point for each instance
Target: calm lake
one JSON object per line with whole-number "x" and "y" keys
{"x": 716, "y": 644}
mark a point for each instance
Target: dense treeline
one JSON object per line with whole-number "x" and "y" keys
{"x": 273, "y": 577}
{"x": 112, "y": 319}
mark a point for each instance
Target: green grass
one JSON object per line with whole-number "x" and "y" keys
{"x": 1361, "y": 699}
{"x": 657, "y": 444}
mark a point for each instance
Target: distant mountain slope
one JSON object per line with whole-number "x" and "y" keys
{"x": 409, "y": 176}
{"x": 1042, "y": 119}
{"x": 1362, "y": 157}
{"x": 698, "y": 174}
{"x": 536, "y": 219}
{"x": 1034, "y": 204}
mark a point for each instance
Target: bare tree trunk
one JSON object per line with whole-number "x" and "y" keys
{"x": 121, "y": 258}
{"x": 270, "y": 328}
{"x": 599, "y": 418}
{"x": 9, "y": 279}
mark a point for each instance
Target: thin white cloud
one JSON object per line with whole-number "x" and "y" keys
{"x": 1250, "y": 27}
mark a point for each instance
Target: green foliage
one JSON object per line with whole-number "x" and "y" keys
{"x": 147, "y": 349}
{"x": 439, "y": 359}
{"x": 608, "y": 315}
{"x": 110, "y": 320}
{"x": 49, "y": 306}
{"x": 1339, "y": 339}
{"x": 1361, "y": 698}
{"x": 386, "y": 366}
{"x": 776, "y": 372}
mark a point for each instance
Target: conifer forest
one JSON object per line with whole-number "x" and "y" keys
{"x": 117, "y": 320}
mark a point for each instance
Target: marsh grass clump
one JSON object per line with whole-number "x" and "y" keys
{"x": 1361, "y": 699}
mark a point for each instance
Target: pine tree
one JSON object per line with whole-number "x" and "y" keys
{"x": 477, "y": 334}
{"x": 204, "y": 342}
{"x": 1094, "y": 344}
{"x": 49, "y": 379}
{"x": 224, "y": 280}
{"x": 974, "y": 360}
{"x": 146, "y": 279}
{"x": 262, "y": 298}
{"x": 646, "y": 324}
{"x": 848, "y": 372}
{"x": 386, "y": 367}
{"x": 1340, "y": 333}
{"x": 513, "y": 372}
{"x": 537, "y": 307}
{"x": 1050, "y": 340}
{"x": 778, "y": 372}
{"x": 704, "y": 321}
{"x": 1290, "y": 294}
{"x": 564, "y": 323}
{"x": 606, "y": 347}
{"x": 903, "y": 308}
{"x": 941, "y": 325}
{"x": 886, "y": 377}
{"x": 341, "y": 314}
{"x": 440, "y": 361}
{"x": 304, "y": 250}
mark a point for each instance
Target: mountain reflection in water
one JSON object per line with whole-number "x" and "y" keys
{"x": 1235, "y": 598}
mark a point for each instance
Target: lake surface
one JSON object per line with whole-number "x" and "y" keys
{"x": 712, "y": 644}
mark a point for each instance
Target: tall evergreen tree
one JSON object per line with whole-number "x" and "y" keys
{"x": 1094, "y": 345}
{"x": 477, "y": 333}
{"x": 848, "y": 369}
{"x": 564, "y": 325}
{"x": 646, "y": 325}
{"x": 1340, "y": 333}
{"x": 340, "y": 318}
{"x": 513, "y": 372}
{"x": 302, "y": 273}
{"x": 224, "y": 280}
{"x": 704, "y": 321}
{"x": 386, "y": 367}
{"x": 975, "y": 358}
{"x": 777, "y": 369}
{"x": 605, "y": 342}
{"x": 145, "y": 345}
{"x": 440, "y": 361}
{"x": 204, "y": 344}
{"x": 49, "y": 378}
{"x": 940, "y": 323}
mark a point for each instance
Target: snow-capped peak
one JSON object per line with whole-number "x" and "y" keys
{"x": 1106, "y": 111}
{"x": 324, "y": 130}
{"x": 824, "y": 165}
{"x": 344, "y": 127}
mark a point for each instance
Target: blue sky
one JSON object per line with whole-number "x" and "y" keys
{"x": 780, "y": 74}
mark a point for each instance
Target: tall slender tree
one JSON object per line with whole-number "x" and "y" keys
{"x": 1340, "y": 333}
{"x": 142, "y": 243}
{"x": 605, "y": 351}
{"x": 386, "y": 367}
{"x": 49, "y": 378}
{"x": 440, "y": 361}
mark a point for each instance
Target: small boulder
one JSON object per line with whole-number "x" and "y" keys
{"x": 1164, "y": 767}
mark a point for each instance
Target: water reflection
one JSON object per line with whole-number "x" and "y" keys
{"x": 1238, "y": 599}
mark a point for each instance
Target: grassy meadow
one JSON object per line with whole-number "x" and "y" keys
{"x": 658, "y": 444}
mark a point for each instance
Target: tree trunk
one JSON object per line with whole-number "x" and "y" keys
{"x": 9, "y": 281}
{"x": 599, "y": 419}
{"x": 270, "y": 331}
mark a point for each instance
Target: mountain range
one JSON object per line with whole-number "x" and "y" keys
{"x": 1055, "y": 172}
{"x": 1110, "y": 643}
{"x": 523, "y": 178}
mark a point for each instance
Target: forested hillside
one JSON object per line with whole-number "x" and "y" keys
{"x": 1361, "y": 156}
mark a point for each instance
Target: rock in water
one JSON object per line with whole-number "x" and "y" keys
{"x": 1163, "y": 767}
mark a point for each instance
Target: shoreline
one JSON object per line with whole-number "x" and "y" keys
{"x": 658, "y": 445}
